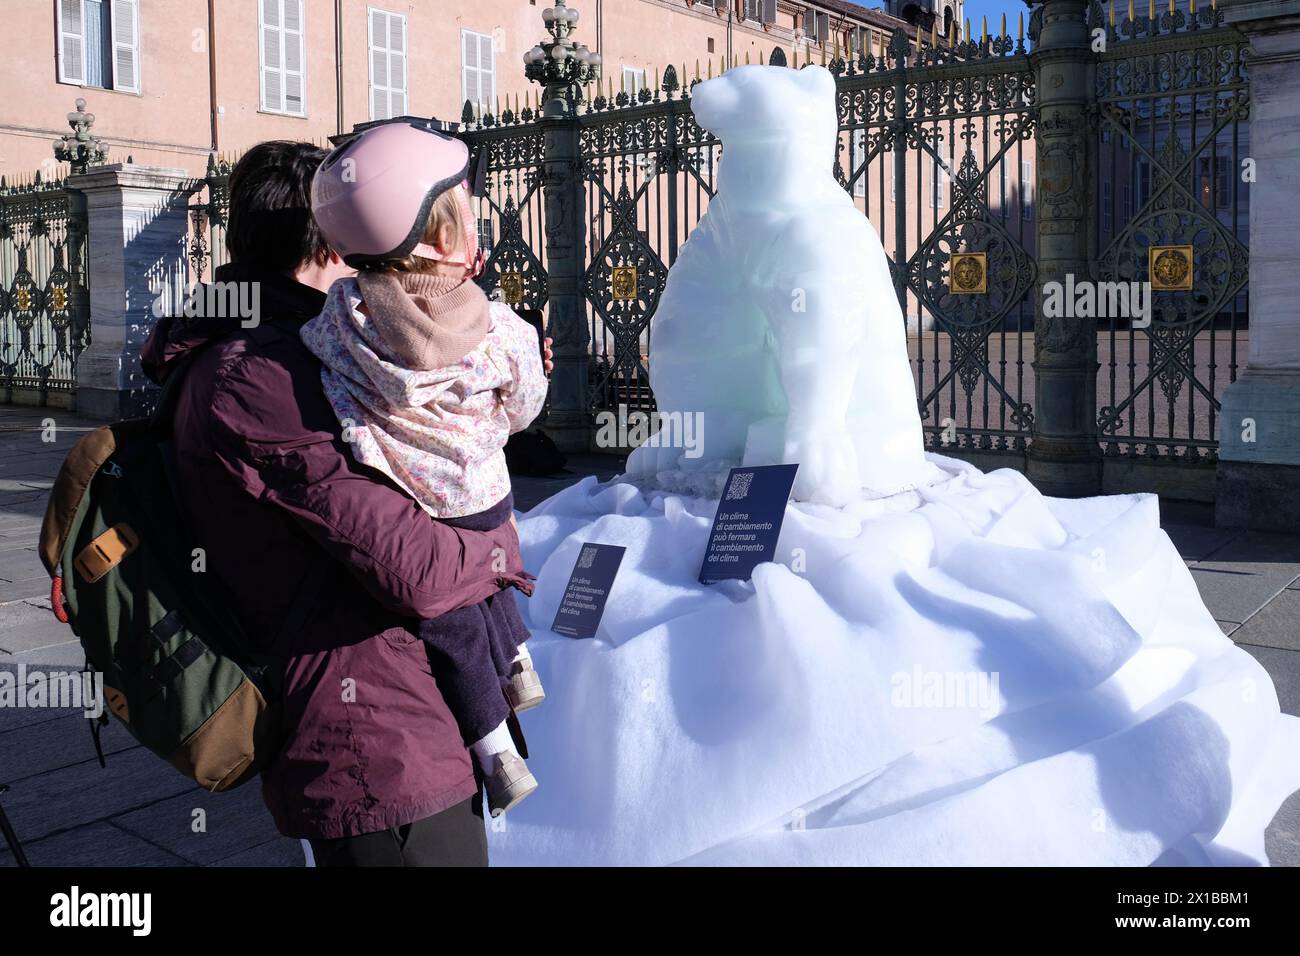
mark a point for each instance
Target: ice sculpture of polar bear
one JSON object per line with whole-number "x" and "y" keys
{"x": 779, "y": 321}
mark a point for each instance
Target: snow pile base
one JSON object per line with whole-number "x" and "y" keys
{"x": 966, "y": 674}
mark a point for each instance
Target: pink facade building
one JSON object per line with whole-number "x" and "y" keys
{"x": 171, "y": 81}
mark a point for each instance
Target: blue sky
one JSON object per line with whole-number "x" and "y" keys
{"x": 993, "y": 9}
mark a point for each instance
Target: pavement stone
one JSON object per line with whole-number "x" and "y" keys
{"x": 95, "y": 844}
{"x": 27, "y": 626}
{"x": 85, "y": 792}
{"x": 50, "y": 745}
{"x": 1197, "y": 542}
{"x": 1283, "y": 667}
{"x": 1234, "y": 593}
{"x": 231, "y": 823}
{"x": 1282, "y": 839}
{"x": 1277, "y": 624}
{"x": 278, "y": 852}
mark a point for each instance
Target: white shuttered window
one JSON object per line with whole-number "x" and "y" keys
{"x": 280, "y": 32}
{"x": 387, "y": 64}
{"x": 99, "y": 43}
{"x": 478, "y": 69}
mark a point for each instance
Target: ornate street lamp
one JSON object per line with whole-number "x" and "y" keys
{"x": 81, "y": 148}
{"x": 560, "y": 65}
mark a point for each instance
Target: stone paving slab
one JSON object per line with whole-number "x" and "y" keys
{"x": 278, "y": 852}
{"x": 26, "y": 625}
{"x": 1232, "y": 593}
{"x": 230, "y": 823}
{"x": 95, "y": 844}
{"x": 51, "y": 745}
{"x": 85, "y": 792}
{"x": 1284, "y": 669}
{"x": 1277, "y": 624}
{"x": 1197, "y": 542}
{"x": 1282, "y": 838}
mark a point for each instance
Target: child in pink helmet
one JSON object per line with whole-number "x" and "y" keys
{"x": 429, "y": 379}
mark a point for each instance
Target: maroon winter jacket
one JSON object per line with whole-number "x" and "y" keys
{"x": 283, "y": 510}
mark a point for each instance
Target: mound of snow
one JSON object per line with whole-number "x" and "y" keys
{"x": 969, "y": 673}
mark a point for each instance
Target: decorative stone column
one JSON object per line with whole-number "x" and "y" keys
{"x": 1259, "y": 438}
{"x": 562, "y": 66}
{"x": 136, "y": 217}
{"x": 1064, "y": 457}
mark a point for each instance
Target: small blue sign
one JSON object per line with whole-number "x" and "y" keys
{"x": 588, "y": 589}
{"x": 748, "y": 522}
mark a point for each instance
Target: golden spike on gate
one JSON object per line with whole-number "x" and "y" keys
{"x": 984, "y": 28}
{"x": 1112, "y": 13}
{"x": 1002, "y": 31}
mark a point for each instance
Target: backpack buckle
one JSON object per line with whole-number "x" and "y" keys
{"x": 105, "y": 552}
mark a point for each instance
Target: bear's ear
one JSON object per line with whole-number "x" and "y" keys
{"x": 817, "y": 80}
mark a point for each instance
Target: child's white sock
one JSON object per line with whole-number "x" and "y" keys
{"x": 497, "y": 740}
{"x": 523, "y": 655}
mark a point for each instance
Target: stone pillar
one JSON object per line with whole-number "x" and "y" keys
{"x": 1259, "y": 431}
{"x": 1064, "y": 457}
{"x": 136, "y": 217}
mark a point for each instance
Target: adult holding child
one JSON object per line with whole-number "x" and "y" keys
{"x": 372, "y": 769}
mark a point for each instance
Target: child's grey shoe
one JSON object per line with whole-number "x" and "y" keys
{"x": 524, "y": 687}
{"x": 509, "y": 782}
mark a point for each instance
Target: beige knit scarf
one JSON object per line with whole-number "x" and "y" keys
{"x": 426, "y": 321}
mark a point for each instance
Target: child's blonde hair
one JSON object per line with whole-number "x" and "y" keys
{"x": 444, "y": 212}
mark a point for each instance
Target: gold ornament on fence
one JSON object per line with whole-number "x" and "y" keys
{"x": 968, "y": 273}
{"x": 622, "y": 284}
{"x": 1170, "y": 268}
{"x": 512, "y": 287}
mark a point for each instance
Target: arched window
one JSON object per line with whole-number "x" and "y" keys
{"x": 947, "y": 21}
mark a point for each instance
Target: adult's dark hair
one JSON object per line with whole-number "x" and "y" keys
{"x": 270, "y": 222}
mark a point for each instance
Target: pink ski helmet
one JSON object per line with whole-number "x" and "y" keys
{"x": 371, "y": 196}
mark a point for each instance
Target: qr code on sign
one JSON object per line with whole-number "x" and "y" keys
{"x": 587, "y": 558}
{"x": 739, "y": 486}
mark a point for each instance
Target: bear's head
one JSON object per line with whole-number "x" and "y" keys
{"x": 769, "y": 104}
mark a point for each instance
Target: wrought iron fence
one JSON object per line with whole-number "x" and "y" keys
{"x": 208, "y": 210}
{"x": 1173, "y": 101}
{"x": 937, "y": 150}
{"x": 44, "y": 304}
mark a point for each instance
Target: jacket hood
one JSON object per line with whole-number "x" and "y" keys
{"x": 238, "y": 297}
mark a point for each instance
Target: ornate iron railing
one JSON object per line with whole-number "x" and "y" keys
{"x": 208, "y": 210}
{"x": 44, "y": 302}
{"x": 933, "y": 148}
{"x": 1173, "y": 100}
